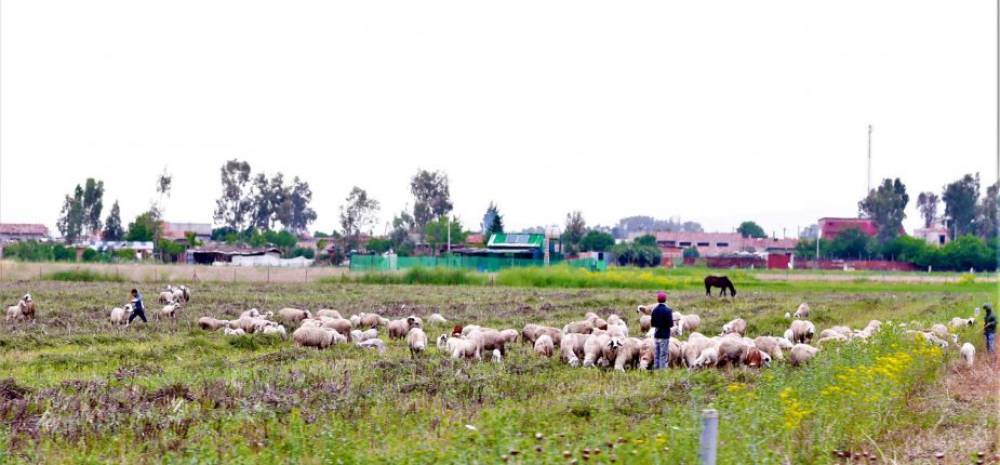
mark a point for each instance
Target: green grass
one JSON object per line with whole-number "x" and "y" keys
{"x": 81, "y": 391}
{"x": 87, "y": 276}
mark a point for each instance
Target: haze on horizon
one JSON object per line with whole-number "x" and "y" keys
{"x": 715, "y": 113}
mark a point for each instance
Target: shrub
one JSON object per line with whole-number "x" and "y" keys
{"x": 62, "y": 253}
{"x": 691, "y": 252}
{"x": 91, "y": 255}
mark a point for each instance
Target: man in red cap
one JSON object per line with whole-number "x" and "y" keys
{"x": 663, "y": 320}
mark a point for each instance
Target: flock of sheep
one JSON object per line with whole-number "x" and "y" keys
{"x": 590, "y": 342}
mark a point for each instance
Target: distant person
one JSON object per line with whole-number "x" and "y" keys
{"x": 663, "y": 320}
{"x": 138, "y": 309}
{"x": 990, "y": 328}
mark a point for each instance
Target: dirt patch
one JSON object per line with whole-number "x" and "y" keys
{"x": 963, "y": 411}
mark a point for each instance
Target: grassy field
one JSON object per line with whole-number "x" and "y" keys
{"x": 78, "y": 391}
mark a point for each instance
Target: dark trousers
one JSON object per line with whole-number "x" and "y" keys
{"x": 137, "y": 313}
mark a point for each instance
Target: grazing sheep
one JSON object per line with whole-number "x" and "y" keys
{"x": 544, "y": 346}
{"x": 627, "y": 355}
{"x": 675, "y": 353}
{"x": 293, "y": 315}
{"x": 709, "y": 357}
{"x": 369, "y": 320}
{"x": 770, "y": 346}
{"x": 940, "y": 331}
{"x": 340, "y": 325}
{"x": 645, "y": 323}
{"x": 554, "y": 333}
{"x": 510, "y": 335}
{"x": 836, "y": 332}
{"x": 832, "y": 338}
{"x": 646, "y": 309}
{"x": 464, "y": 348}
{"x": 252, "y": 313}
{"x": 119, "y": 315}
{"x": 614, "y": 319}
{"x": 785, "y": 343}
{"x": 465, "y": 330}
{"x": 599, "y": 323}
{"x": 580, "y": 327}
{"x": 416, "y": 339}
{"x": 233, "y": 332}
{"x": 276, "y": 329}
{"x": 738, "y": 326}
{"x": 489, "y": 340}
{"x": 211, "y": 324}
{"x": 968, "y": 353}
{"x": 695, "y": 344}
{"x": 572, "y": 348}
{"x": 28, "y": 310}
{"x": 788, "y": 335}
{"x": 690, "y": 322}
{"x": 497, "y": 356}
{"x": 15, "y": 313}
{"x": 376, "y": 344}
{"x": 647, "y": 353}
{"x": 593, "y": 349}
{"x": 529, "y": 334}
{"x": 754, "y": 358}
{"x": 355, "y": 321}
{"x": 618, "y": 331}
{"x": 933, "y": 339}
{"x": 802, "y": 312}
{"x": 962, "y": 322}
{"x": 802, "y": 353}
{"x": 802, "y": 331}
{"x": 170, "y": 311}
{"x": 731, "y": 350}
{"x": 310, "y": 336}
{"x": 398, "y": 329}
{"x": 360, "y": 336}
{"x": 329, "y": 313}
{"x": 437, "y": 319}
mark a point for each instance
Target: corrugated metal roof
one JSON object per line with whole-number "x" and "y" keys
{"x": 235, "y": 250}
{"x": 519, "y": 241}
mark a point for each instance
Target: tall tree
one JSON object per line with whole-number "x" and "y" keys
{"x": 93, "y": 203}
{"x": 265, "y": 201}
{"x": 144, "y": 228}
{"x": 436, "y": 232}
{"x": 298, "y": 214}
{"x": 988, "y": 209}
{"x": 72, "y": 217}
{"x": 357, "y": 213}
{"x": 886, "y": 207}
{"x": 751, "y": 229}
{"x": 233, "y": 206}
{"x": 432, "y": 198}
{"x": 576, "y": 227}
{"x": 927, "y": 203}
{"x": 492, "y": 221}
{"x": 113, "y": 225}
{"x": 960, "y": 199}
{"x": 597, "y": 241}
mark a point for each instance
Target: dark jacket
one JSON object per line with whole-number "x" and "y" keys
{"x": 990, "y": 323}
{"x": 137, "y": 305}
{"x": 663, "y": 320}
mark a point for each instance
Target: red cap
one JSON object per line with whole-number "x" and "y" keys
{"x": 661, "y": 297}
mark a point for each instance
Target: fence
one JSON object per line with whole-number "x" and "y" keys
{"x": 379, "y": 263}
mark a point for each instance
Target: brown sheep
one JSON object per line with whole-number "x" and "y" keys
{"x": 28, "y": 310}
{"x": 580, "y": 327}
{"x": 645, "y": 323}
{"x": 211, "y": 324}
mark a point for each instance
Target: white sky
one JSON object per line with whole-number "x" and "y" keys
{"x": 711, "y": 111}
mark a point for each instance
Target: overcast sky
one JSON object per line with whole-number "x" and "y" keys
{"x": 708, "y": 111}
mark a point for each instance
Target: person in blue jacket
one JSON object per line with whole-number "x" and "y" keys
{"x": 663, "y": 320}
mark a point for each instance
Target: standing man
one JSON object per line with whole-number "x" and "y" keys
{"x": 990, "y": 328}
{"x": 138, "y": 310}
{"x": 663, "y": 320}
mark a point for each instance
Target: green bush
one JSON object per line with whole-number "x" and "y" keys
{"x": 29, "y": 251}
{"x": 691, "y": 252}
{"x": 91, "y": 255}
{"x": 62, "y": 253}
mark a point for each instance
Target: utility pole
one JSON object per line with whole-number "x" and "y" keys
{"x": 869, "y": 160}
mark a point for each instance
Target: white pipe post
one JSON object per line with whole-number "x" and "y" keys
{"x": 709, "y": 437}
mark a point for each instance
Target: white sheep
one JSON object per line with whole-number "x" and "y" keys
{"x": 968, "y": 353}
{"x": 690, "y": 322}
{"x": 770, "y": 346}
{"x": 327, "y": 312}
{"x": 293, "y": 315}
{"x": 709, "y": 357}
{"x": 436, "y": 319}
{"x": 376, "y": 344}
{"x": 464, "y": 348}
{"x": 120, "y": 315}
{"x": 802, "y": 353}
{"x": 252, "y": 313}
{"x": 360, "y": 336}
{"x": 580, "y": 327}
{"x": 310, "y": 336}
{"x": 233, "y": 332}
{"x": 738, "y": 326}
{"x": 627, "y": 354}
{"x": 170, "y": 311}
{"x": 572, "y": 348}
{"x": 398, "y": 329}
{"x": 940, "y": 331}
{"x": 544, "y": 346}
{"x": 211, "y": 324}
{"x": 593, "y": 349}
{"x": 962, "y": 322}
{"x": 510, "y": 335}
{"x": 802, "y": 331}
{"x": 416, "y": 339}
{"x": 645, "y": 323}
{"x": 15, "y": 313}
{"x": 276, "y": 329}
{"x": 802, "y": 312}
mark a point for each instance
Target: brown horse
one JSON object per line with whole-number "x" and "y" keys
{"x": 720, "y": 282}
